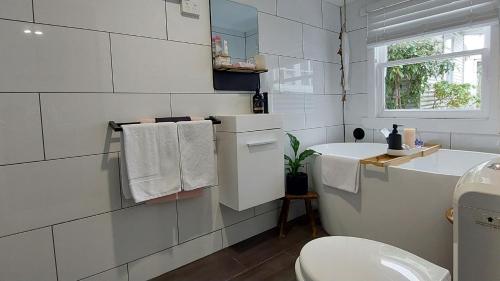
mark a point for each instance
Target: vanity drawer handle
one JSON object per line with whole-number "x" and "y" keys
{"x": 259, "y": 143}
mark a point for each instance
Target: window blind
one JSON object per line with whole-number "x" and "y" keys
{"x": 391, "y": 20}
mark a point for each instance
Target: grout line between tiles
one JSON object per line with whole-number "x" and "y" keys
{"x": 59, "y": 158}
{"x": 41, "y": 126}
{"x": 128, "y": 273}
{"x": 111, "y": 61}
{"x": 33, "y": 10}
{"x": 166, "y": 20}
{"x": 120, "y": 181}
{"x": 106, "y": 31}
{"x": 298, "y": 58}
{"x": 177, "y": 220}
{"x": 54, "y": 248}
{"x": 293, "y": 20}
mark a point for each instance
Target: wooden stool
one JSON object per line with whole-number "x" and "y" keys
{"x": 286, "y": 206}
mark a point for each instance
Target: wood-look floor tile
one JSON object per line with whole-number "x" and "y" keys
{"x": 220, "y": 266}
{"x": 264, "y": 257}
{"x": 278, "y": 268}
{"x": 262, "y": 247}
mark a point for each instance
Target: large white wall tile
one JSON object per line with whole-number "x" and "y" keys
{"x": 321, "y": 44}
{"x": 116, "y": 274}
{"x": 307, "y": 138}
{"x": 28, "y": 256}
{"x": 484, "y": 143}
{"x": 151, "y": 266}
{"x": 378, "y": 137}
{"x": 266, "y": 6}
{"x": 44, "y": 193}
{"x": 358, "y": 78}
{"x": 16, "y": 10}
{"x": 323, "y": 110}
{"x": 138, "y": 17}
{"x": 203, "y": 214}
{"x": 203, "y": 105}
{"x": 331, "y": 17}
{"x": 88, "y": 246}
{"x": 357, "y": 42}
{"x": 301, "y": 76}
{"x": 356, "y": 107}
{"x": 280, "y": 36}
{"x": 335, "y": 134}
{"x": 435, "y": 138}
{"x": 332, "y": 79}
{"x": 292, "y": 109}
{"x": 246, "y": 229}
{"x": 305, "y": 11}
{"x": 297, "y": 209}
{"x": 187, "y": 28}
{"x": 143, "y": 65}
{"x": 267, "y": 207}
{"x": 349, "y": 137}
{"x": 270, "y": 81}
{"x": 20, "y": 128}
{"x": 77, "y": 124}
{"x": 354, "y": 18}
{"x": 60, "y": 60}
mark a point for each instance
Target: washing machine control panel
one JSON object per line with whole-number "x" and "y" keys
{"x": 487, "y": 219}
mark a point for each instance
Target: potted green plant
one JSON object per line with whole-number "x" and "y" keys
{"x": 296, "y": 182}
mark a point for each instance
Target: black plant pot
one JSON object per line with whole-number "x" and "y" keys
{"x": 296, "y": 184}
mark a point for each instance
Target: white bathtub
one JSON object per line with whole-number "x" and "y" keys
{"x": 403, "y": 205}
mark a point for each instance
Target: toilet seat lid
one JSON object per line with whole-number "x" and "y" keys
{"x": 340, "y": 258}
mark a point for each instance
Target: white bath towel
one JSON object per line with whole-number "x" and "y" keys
{"x": 196, "y": 141}
{"x": 340, "y": 172}
{"x": 150, "y": 161}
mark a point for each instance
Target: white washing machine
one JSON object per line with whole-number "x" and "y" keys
{"x": 476, "y": 228}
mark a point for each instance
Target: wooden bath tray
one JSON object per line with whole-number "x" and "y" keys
{"x": 386, "y": 160}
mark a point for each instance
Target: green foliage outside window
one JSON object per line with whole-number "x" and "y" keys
{"x": 405, "y": 84}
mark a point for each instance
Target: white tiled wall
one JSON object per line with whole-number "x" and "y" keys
{"x": 145, "y": 18}
{"x": 17, "y": 10}
{"x": 280, "y": 36}
{"x": 60, "y": 60}
{"x": 23, "y": 142}
{"x": 62, "y": 215}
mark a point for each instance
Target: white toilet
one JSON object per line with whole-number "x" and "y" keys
{"x": 476, "y": 243}
{"x": 340, "y": 258}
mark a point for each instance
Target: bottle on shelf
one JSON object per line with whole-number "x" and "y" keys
{"x": 258, "y": 102}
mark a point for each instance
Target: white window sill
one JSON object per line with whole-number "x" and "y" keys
{"x": 471, "y": 126}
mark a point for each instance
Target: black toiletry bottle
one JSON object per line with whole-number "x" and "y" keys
{"x": 266, "y": 102}
{"x": 258, "y": 102}
{"x": 395, "y": 140}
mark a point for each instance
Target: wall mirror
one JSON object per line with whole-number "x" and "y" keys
{"x": 235, "y": 46}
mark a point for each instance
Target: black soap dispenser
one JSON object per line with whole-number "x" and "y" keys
{"x": 258, "y": 102}
{"x": 395, "y": 140}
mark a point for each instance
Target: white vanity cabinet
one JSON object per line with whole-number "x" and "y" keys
{"x": 250, "y": 160}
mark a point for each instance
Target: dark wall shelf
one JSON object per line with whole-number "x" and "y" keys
{"x": 235, "y": 81}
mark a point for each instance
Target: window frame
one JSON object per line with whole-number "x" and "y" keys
{"x": 488, "y": 74}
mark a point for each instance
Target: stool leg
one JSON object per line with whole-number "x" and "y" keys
{"x": 310, "y": 214}
{"x": 284, "y": 216}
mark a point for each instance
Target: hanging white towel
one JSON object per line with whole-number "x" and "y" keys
{"x": 151, "y": 161}
{"x": 196, "y": 141}
{"x": 340, "y": 172}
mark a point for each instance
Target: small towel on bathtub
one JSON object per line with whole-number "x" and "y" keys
{"x": 150, "y": 161}
{"x": 196, "y": 141}
{"x": 340, "y": 172}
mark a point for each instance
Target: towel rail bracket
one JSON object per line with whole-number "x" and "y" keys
{"x": 117, "y": 127}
